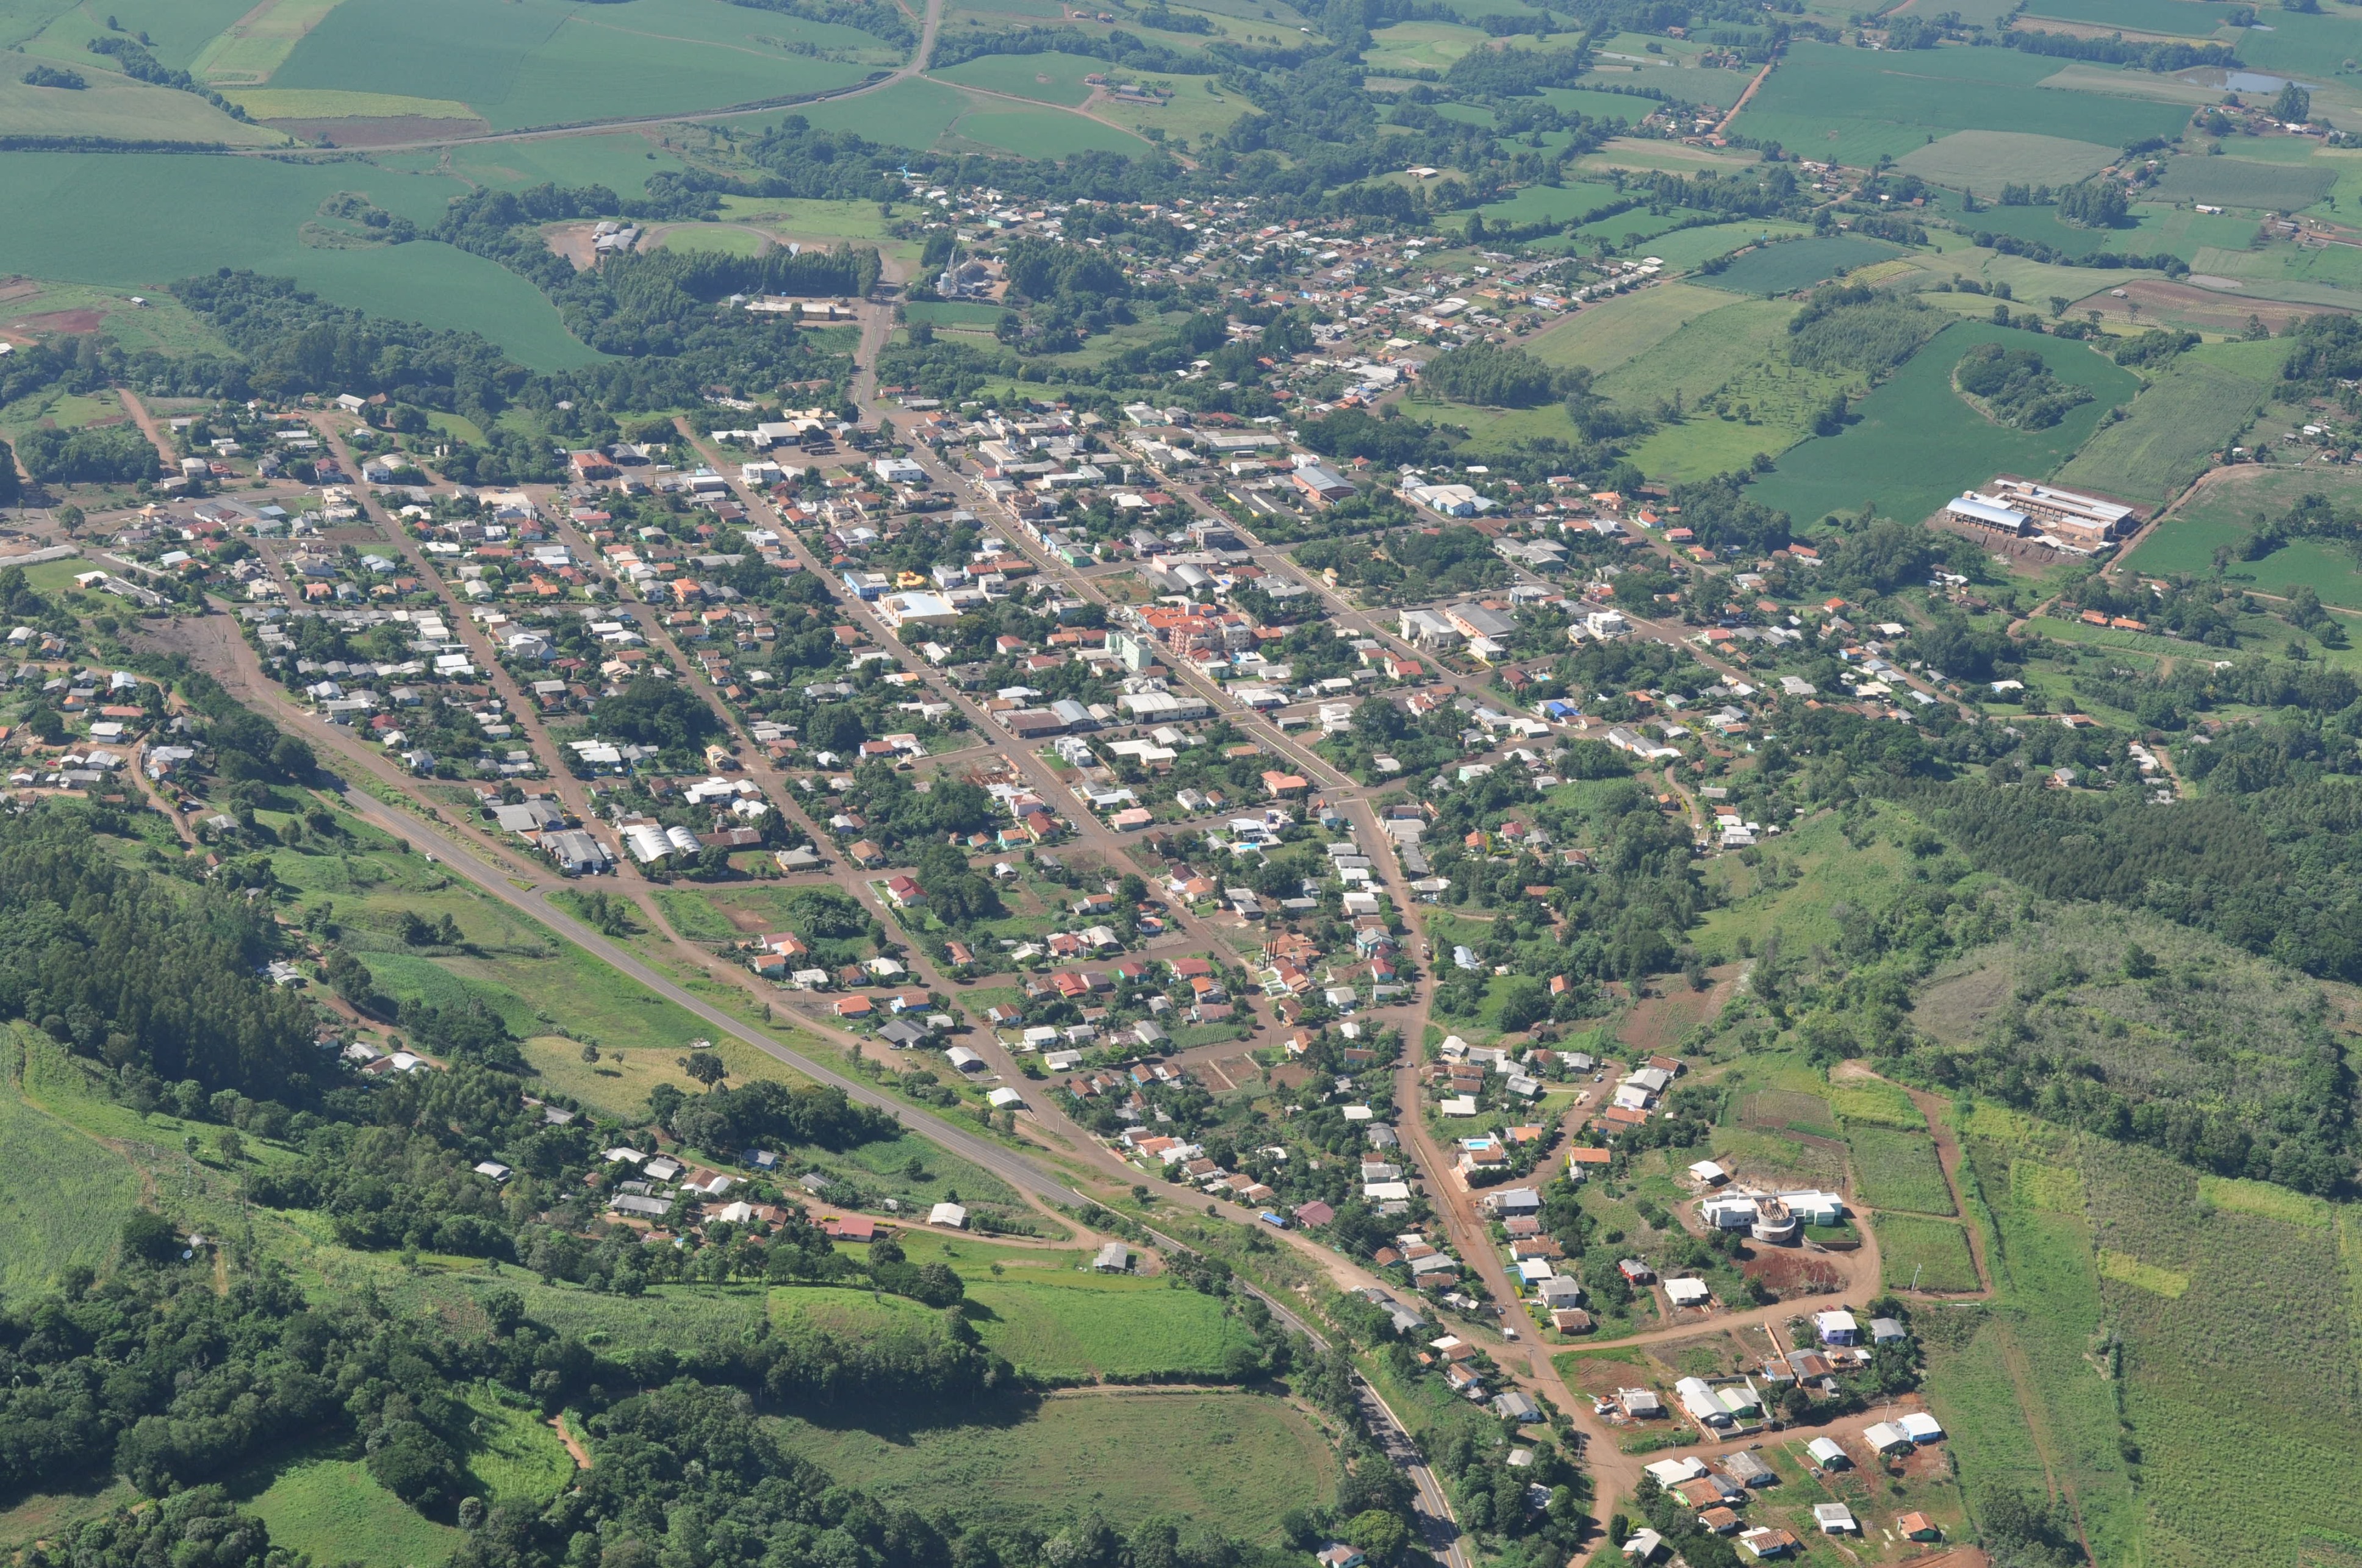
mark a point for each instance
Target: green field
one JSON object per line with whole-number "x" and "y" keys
{"x": 537, "y": 62}
{"x": 1850, "y": 105}
{"x": 1899, "y": 1170}
{"x": 1233, "y": 1463}
{"x": 1079, "y": 1327}
{"x": 623, "y": 162}
{"x": 1420, "y": 45}
{"x": 178, "y": 30}
{"x": 1729, "y": 371}
{"x": 1627, "y": 106}
{"x": 2220, "y": 517}
{"x": 1914, "y": 443}
{"x": 1989, "y": 159}
{"x": 1683, "y": 249}
{"x": 516, "y": 1459}
{"x": 2187, "y": 18}
{"x": 1798, "y": 264}
{"x": 2244, "y": 182}
{"x": 335, "y": 1509}
{"x": 2172, "y": 433}
{"x": 1549, "y": 203}
{"x": 144, "y": 219}
{"x": 953, "y": 313}
{"x": 1935, "y": 1251}
{"x": 259, "y": 42}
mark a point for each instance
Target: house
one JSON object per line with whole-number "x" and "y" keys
{"x": 1921, "y": 1427}
{"x": 949, "y": 1214}
{"x": 1770, "y": 1543}
{"x": 1917, "y": 1527}
{"x": 906, "y": 893}
{"x": 1643, "y": 1545}
{"x": 1337, "y": 1554}
{"x": 1829, "y": 1456}
{"x": 1688, "y": 1292}
{"x": 1640, "y": 1402}
{"x": 1887, "y": 1331}
{"x": 1835, "y": 1519}
{"x": 1746, "y": 1469}
{"x": 1836, "y": 1328}
{"x": 1113, "y": 1258}
{"x": 494, "y": 1170}
{"x": 1885, "y": 1436}
{"x": 1514, "y": 1405}
{"x": 1701, "y": 1403}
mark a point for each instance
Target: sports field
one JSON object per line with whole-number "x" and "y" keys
{"x": 1798, "y": 264}
{"x": 1914, "y": 444}
{"x": 1853, "y": 105}
{"x": 542, "y": 63}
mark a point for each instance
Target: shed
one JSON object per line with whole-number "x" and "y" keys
{"x": 966, "y": 1060}
{"x": 1885, "y": 1436}
{"x": 949, "y": 1214}
{"x": 494, "y": 1169}
{"x": 1643, "y": 1545}
{"x": 1835, "y": 1519}
{"x": 1113, "y": 1258}
{"x": 1921, "y": 1427}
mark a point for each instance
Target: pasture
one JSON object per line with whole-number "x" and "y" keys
{"x": 622, "y": 162}
{"x": 1232, "y": 1461}
{"x": 1798, "y": 264}
{"x": 1198, "y": 108}
{"x": 335, "y": 1509}
{"x": 1629, "y": 107}
{"x": 541, "y": 63}
{"x": 1729, "y": 371}
{"x": 1549, "y": 204}
{"x": 2172, "y": 433}
{"x": 1898, "y": 1170}
{"x": 1077, "y": 1327}
{"x": 1420, "y": 45}
{"x": 1684, "y": 249}
{"x": 144, "y": 219}
{"x": 1850, "y": 106}
{"x": 1934, "y": 1252}
{"x": 1913, "y": 443}
{"x": 178, "y": 30}
{"x": 1968, "y": 158}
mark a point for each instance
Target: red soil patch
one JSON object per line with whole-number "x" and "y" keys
{"x": 60, "y": 321}
{"x": 1793, "y": 1274}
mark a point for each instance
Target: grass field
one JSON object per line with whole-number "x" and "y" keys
{"x": 1420, "y": 45}
{"x": 1198, "y": 108}
{"x": 623, "y": 162}
{"x": 1853, "y": 105}
{"x": 515, "y": 1458}
{"x": 1784, "y": 269}
{"x": 1683, "y": 249}
{"x": 1075, "y": 1327}
{"x": 1233, "y": 1463}
{"x": 1914, "y": 443}
{"x": 1969, "y": 158}
{"x": 1549, "y": 204}
{"x": 144, "y": 219}
{"x": 1628, "y": 106}
{"x": 178, "y": 30}
{"x": 116, "y": 108}
{"x": 2222, "y": 513}
{"x": 335, "y": 1509}
{"x": 2184, "y": 18}
{"x": 162, "y": 323}
{"x": 1728, "y": 370}
{"x": 65, "y": 1194}
{"x": 1935, "y": 1251}
{"x": 1899, "y": 1170}
{"x": 953, "y": 313}
{"x": 2172, "y": 433}
{"x": 541, "y": 63}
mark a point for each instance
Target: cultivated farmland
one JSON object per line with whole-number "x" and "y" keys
{"x": 1853, "y": 105}
{"x": 1088, "y": 1327}
{"x": 2244, "y": 183}
{"x": 1914, "y": 443}
{"x": 2172, "y": 434}
{"x": 1898, "y": 1170}
{"x": 1798, "y": 264}
{"x": 1968, "y": 160}
{"x": 1609, "y": 334}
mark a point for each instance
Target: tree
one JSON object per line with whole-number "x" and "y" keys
{"x": 2294, "y": 106}
{"x": 149, "y": 1237}
{"x": 1524, "y": 1003}
{"x": 12, "y": 489}
{"x": 705, "y": 1066}
{"x": 2093, "y": 204}
{"x": 1382, "y": 1536}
